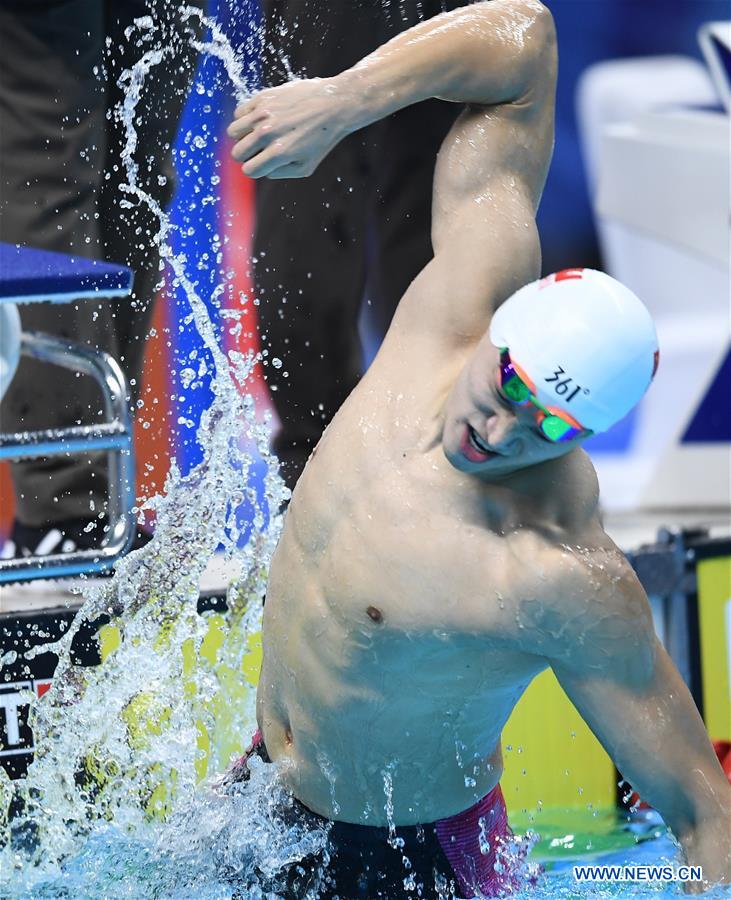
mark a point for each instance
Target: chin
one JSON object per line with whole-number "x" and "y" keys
{"x": 496, "y": 465}
{"x": 456, "y": 461}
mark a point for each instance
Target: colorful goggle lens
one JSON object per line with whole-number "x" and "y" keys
{"x": 552, "y": 426}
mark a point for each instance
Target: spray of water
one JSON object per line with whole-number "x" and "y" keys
{"x": 118, "y": 745}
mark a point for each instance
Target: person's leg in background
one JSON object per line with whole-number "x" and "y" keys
{"x": 402, "y": 213}
{"x": 404, "y": 182}
{"x": 309, "y": 244}
{"x": 52, "y": 142}
{"x": 310, "y": 275}
{"x": 61, "y": 172}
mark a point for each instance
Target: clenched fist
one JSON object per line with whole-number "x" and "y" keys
{"x": 285, "y": 132}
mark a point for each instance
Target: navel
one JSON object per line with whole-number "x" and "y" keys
{"x": 375, "y": 614}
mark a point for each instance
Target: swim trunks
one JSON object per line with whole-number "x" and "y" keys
{"x": 457, "y": 857}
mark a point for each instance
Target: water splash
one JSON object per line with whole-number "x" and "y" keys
{"x": 119, "y": 746}
{"x": 395, "y": 842}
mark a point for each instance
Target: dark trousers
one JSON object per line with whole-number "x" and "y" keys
{"x": 60, "y": 172}
{"x": 363, "y": 218}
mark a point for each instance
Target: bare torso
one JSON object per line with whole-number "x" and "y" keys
{"x": 398, "y": 633}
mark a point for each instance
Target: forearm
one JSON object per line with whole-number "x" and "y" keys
{"x": 696, "y": 806}
{"x": 487, "y": 53}
{"x": 654, "y": 733}
{"x": 708, "y": 844}
{"x": 675, "y": 772}
{"x": 673, "y": 766}
{"x": 679, "y": 776}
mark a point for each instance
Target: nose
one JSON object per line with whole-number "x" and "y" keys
{"x": 501, "y": 429}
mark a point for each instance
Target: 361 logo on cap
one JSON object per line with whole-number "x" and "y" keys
{"x": 562, "y": 386}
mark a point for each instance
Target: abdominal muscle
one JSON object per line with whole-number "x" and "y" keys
{"x": 381, "y": 707}
{"x": 387, "y": 754}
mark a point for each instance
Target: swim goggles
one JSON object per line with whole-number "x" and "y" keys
{"x": 554, "y": 424}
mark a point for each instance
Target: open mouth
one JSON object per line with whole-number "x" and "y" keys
{"x": 477, "y": 441}
{"x": 473, "y": 448}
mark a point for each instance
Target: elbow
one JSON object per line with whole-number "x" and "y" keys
{"x": 524, "y": 21}
{"x": 542, "y": 33}
{"x": 521, "y": 51}
{"x": 541, "y": 15}
{"x": 535, "y": 18}
{"x": 534, "y": 34}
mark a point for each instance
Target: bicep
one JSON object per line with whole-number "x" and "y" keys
{"x": 629, "y": 713}
{"x": 488, "y": 180}
{"x": 487, "y": 184}
{"x": 473, "y": 271}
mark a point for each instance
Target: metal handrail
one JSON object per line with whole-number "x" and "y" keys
{"x": 114, "y": 435}
{"x": 78, "y": 439}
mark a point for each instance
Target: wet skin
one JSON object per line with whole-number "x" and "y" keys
{"x": 438, "y": 553}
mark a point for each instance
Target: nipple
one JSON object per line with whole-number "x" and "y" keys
{"x": 375, "y": 614}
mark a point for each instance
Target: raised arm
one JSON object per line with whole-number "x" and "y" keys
{"x": 497, "y": 57}
{"x": 627, "y": 689}
{"x": 488, "y": 53}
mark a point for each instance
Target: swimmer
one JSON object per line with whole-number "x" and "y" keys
{"x": 444, "y": 545}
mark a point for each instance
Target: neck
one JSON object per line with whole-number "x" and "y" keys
{"x": 560, "y": 492}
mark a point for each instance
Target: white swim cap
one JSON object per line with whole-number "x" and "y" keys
{"x": 586, "y": 342}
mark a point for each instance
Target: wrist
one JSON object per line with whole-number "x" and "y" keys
{"x": 707, "y": 843}
{"x": 354, "y": 93}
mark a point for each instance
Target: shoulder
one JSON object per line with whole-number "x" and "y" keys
{"x": 570, "y": 488}
{"x": 590, "y": 612}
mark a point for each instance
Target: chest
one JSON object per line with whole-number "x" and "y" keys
{"x": 392, "y": 540}
{"x": 405, "y": 601}
{"x": 401, "y": 551}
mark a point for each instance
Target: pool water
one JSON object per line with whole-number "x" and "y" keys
{"x": 211, "y": 853}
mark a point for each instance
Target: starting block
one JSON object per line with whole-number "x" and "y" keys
{"x": 32, "y": 276}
